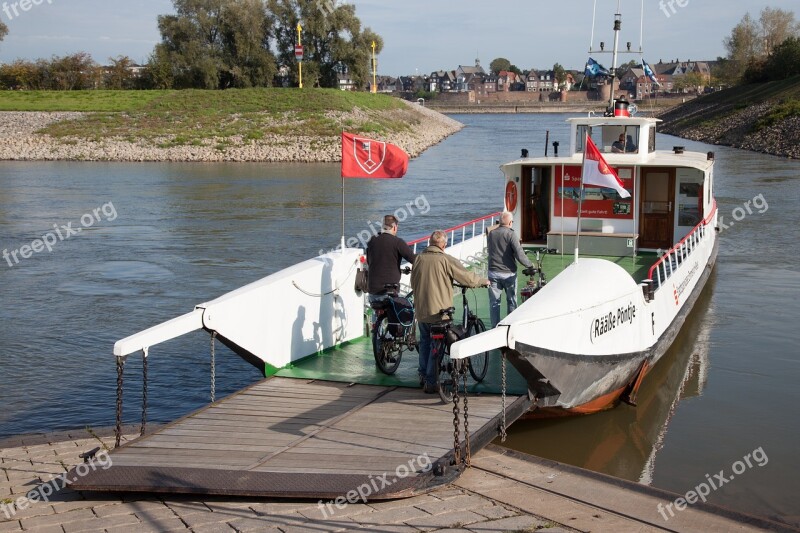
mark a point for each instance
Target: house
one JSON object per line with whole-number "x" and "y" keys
{"x": 507, "y": 81}
{"x": 386, "y": 84}
{"x": 442, "y": 81}
{"x": 344, "y": 81}
{"x": 630, "y": 79}
{"x": 645, "y": 87}
{"x": 464, "y": 74}
{"x": 532, "y": 82}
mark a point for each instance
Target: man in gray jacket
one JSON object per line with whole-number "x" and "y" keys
{"x": 504, "y": 251}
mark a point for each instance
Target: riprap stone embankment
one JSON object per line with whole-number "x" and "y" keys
{"x": 25, "y": 141}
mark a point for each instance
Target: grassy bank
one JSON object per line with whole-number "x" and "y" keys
{"x": 762, "y": 117}
{"x": 194, "y": 117}
{"x": 715, "y": 108}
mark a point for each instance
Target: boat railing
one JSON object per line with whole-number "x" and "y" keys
{"x": 668, "y": 263}
{"x": 460, "y": 233}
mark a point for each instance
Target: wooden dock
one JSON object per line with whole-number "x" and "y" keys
{"x": 297, "y": 438}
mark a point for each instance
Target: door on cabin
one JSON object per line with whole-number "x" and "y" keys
{"x": 657, "y": 208}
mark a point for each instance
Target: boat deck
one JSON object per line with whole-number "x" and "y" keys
{"x": 354, "y": 362}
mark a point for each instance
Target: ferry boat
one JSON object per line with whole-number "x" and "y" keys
{"x": 587, "y": 338}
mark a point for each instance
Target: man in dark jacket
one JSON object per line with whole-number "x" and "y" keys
{"x": 504, "y": 251}
{"x": 432, "y": 282}
{"x": 385, "y": 251}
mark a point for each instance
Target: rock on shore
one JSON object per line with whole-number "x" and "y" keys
{"x": 23, "y": 142}
{"x": 727, "y": 126}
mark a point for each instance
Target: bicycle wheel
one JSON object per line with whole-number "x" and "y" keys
{"x": 478, "y": 363}
{"x": 383, "y": 348}
{"x": 444, "y": 368}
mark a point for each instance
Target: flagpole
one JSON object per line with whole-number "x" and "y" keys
{"x": 580, "y": 195}
{"x": 342, "y": 215}
{"x": 342, "y": 173}
{"x": 563, "y": 189}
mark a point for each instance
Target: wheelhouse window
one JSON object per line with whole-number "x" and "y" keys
{"x": 610, "y": 138}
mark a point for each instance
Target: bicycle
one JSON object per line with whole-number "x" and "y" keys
{"x": 394, "y": 329}
{"x": 477, "y": 364}
{"x": 536, "y": 276}
{"x": 443, "y": 334}
{"x": 440, "y": 354}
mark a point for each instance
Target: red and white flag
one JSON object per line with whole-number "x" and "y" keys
{"x": 597, "y": 172}
{"x": 368, "y": 158}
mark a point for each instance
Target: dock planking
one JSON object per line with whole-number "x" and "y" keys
{"x": 301, "y": 438}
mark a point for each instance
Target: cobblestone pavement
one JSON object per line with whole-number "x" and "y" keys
{"x": 31, "y": 501}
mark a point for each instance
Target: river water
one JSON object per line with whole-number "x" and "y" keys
{"x": 156, "y": 239}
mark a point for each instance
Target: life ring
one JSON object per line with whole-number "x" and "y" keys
{"x": 511, "y": 196}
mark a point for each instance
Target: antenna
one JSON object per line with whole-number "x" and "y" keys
{"x": 594, "y": 17}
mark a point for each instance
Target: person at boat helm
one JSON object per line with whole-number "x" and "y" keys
{"x": 621, "y": 146}
{"x": 504, "y": 252}
{"x": 432, "y": 282}
{"x": 385, "y": 252}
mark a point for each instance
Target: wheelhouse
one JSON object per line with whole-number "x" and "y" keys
{"x": 671, "y": 191}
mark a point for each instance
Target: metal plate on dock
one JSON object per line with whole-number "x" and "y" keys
{"x": 297, "y": 438}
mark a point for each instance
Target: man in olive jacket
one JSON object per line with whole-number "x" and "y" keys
{"x": 432, "y": 282}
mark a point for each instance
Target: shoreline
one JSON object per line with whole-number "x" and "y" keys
{"x": 24, "y": 143}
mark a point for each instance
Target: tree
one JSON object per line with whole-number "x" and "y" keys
{"x": 743, "y": 45}
{"x": 74, "y": 72}
{"x": 119, "y": 74}
{"x": 499, "y": 64}
{"x": 785, "y": 59}
{"x": 3, "y": 30}
{"x": 212, "y": 44}
{"x": 691, "y": 82}
{"x": 751, "y": 43}
{"x": 559, "y": 74}
{"x": 332, "y": 40}
{"x": 776, "y": 25}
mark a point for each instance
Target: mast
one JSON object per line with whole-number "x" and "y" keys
{"x": 617, "y": 29}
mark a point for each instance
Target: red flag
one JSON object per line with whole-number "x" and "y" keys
{"x": 368, "y": 158}
{"x": 597, "y": 172}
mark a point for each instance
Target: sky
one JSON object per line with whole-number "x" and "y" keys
{"x": 420, "y": 36}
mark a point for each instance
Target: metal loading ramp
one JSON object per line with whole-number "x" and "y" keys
{"x": 297, "y": 438}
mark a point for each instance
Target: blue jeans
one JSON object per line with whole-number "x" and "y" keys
{"x": 426, "y": 366}
{"x": 496, "y": 287}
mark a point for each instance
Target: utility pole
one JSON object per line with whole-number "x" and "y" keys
{"x": 298, "y": 53}
{"x": 374, "y": 70}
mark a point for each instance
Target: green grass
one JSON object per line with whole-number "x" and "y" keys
{"x": 77, "y": 100}
{"x": 197, "y": 117}
{"x": 789, "y": 108}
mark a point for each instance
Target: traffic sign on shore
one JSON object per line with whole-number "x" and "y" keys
{"x": 298, "y": 52}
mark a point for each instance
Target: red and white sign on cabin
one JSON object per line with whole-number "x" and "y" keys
{"x": 298, "y": 52}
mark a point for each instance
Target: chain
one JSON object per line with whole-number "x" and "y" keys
{"x": 118, "y": 428}
{"x": 467, "y": 451}
{"x": 456, "y": 440}
{"x": 144, "y": 390}
{"x": 503, "y": 424}
{"x": 213, "y": 367}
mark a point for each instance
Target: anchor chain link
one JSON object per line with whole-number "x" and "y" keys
{"x": 118, "y": 427}
{"x": 456, "y": 440}
{"x": 213, "y": 367}
{"x": 467, "y": 450}
{"x": 144, "y": 391}
{"x": 503, "y": 387}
